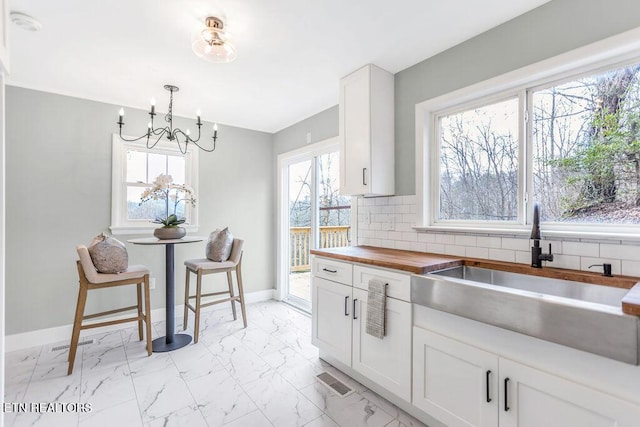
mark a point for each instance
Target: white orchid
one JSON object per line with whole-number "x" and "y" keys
{"x": 164, "y": 189}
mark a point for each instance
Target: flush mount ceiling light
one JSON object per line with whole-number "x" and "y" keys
{"x": 212, "y": 44}
{"x": 25, "y": 21}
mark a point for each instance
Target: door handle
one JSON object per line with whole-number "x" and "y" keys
{"x": 487, "y": 379}
{"x": 506, "y": 394}
{"x": 346, "y": 306}
{"x": 354, "y": 309}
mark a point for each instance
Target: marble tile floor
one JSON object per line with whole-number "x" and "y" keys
{"x": 263, "y": 375}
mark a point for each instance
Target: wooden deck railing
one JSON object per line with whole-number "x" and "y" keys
{"x": 300, "y": 241}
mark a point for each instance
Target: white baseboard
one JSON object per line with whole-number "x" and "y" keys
{"x": 63, "y": 333}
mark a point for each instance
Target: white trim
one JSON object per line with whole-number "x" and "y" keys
{"x": 617, "y": 49}
{"x": 61, "y": 333}
{"x": 119, "y": 224}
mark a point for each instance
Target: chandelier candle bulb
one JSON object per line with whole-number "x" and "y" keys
{"x": 198, "y": 113}
{"x": 153, "y": 105}
{"x": 215, "y": 130}
{"x": 121, "y": 114}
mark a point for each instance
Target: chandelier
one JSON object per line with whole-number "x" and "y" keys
{"x": 172, "y": 134}
{"x": 212, "y": 43}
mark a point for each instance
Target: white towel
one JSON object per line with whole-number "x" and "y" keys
{"x": 376, "y": 308}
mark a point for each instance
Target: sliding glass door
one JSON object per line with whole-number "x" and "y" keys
{"x": 312, "y": 214}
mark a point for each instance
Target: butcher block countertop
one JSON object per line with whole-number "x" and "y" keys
{"x": 421, "y": 263}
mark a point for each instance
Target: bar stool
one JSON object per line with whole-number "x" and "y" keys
{"x": 90, "y": 279}
{"x": 205, "y": 266}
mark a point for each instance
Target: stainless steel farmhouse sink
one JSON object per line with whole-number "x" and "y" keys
{"x": 579, "y": 315}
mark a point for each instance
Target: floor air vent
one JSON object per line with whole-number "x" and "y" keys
{"x": 66, "y": 346}
{"x": 334, "y": 384}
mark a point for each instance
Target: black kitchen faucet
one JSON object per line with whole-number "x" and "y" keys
{"x": 536, "y": 251}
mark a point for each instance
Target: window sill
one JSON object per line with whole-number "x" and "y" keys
{"x": 120, "y": 230}
{"x": 547, "y": 231}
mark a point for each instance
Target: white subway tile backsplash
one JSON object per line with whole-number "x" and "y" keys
{"x": 515, "y": 244}
{"x": 477, "y": 252}
{"x": 630, "y": 268}
{"x": 380, "y": 234}
{"x": 627, "y": 252}
{"x": 523, "y": 257}
{"x": 410, "y": 236}
{"x": 454, "y": 250}
{"x": 418, "y": 246}
{"x": 564, "y": 261}
{"x": 447, "y": 239}
{"x": 410, "y": 218}
{"x": 489, "y": 242}
{"x": 403, "y": 245}
{"x": 392, "y": 218}
{"x": 435, "y": 248}
{"x": 464, "y": 240}
{"x": 502, "y": 255}
{"x": 404, "y": 226}
{"x": 581, "y": 249}
{"x": 401, "y": 209}
{"x": 426, "y": 237}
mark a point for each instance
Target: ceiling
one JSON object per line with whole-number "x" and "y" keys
{"x": 291, "y": 53}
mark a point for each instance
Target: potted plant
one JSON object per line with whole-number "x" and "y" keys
{"x": 164, "y": 189}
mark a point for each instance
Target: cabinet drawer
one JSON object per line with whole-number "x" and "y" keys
{"x": 399, "y": 283}
{"x": 341, "y": 272}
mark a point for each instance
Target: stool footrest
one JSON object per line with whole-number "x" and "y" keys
{"x": 105, "y": 313}
{"x": 112, "y": 322}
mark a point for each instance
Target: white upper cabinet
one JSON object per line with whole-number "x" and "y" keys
{"x": 367, "y": 133}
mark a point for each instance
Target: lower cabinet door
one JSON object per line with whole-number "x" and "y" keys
{"x": 454, "y": 382}
{"x": 331, "y": 318}
{"x": 532, "y": 398}
{"x": 385, "y": 361}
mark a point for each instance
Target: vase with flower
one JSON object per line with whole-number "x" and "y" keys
{"x": 172, "y": 194}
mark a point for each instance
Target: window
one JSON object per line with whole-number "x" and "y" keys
{"x": 568, "y": 140}
{"x": 134, "y": 168}
{"x": 479, "y": 163}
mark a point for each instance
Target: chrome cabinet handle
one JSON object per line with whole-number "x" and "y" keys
{"x": 488, "y": 397}
{"x": 354, "y": 309}
{"x": 346, "y": 306}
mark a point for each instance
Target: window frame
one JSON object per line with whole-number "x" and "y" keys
{"x": 120, "y": 225}
{"x": 606, "y": 54}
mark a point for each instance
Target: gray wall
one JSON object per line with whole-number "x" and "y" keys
{"x": 321, "y": 126}
{"x": 58, "y": 176}
{"x": 551, "y": 29}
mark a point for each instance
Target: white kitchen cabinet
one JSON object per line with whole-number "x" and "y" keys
{"x": 454, "y": 382}
{"x": 462, "y": 385}
{"x": 535, "y": 398}
{"x": 331, "y": 320}
{"x": 366, "y": 132}
{"x": 385, "y": 361}
{"x": 339, "y": 324}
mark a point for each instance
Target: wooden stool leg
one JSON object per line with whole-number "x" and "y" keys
{"x": 233, "y": 303}
{"x": 186, "y": 299}
{"x": 77, "y": 323}
{"x": 147, "y": 313}
{"x": 241, "y": 293}
{"x": 196, "y": 326}
{"x": 139, "y": 292}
